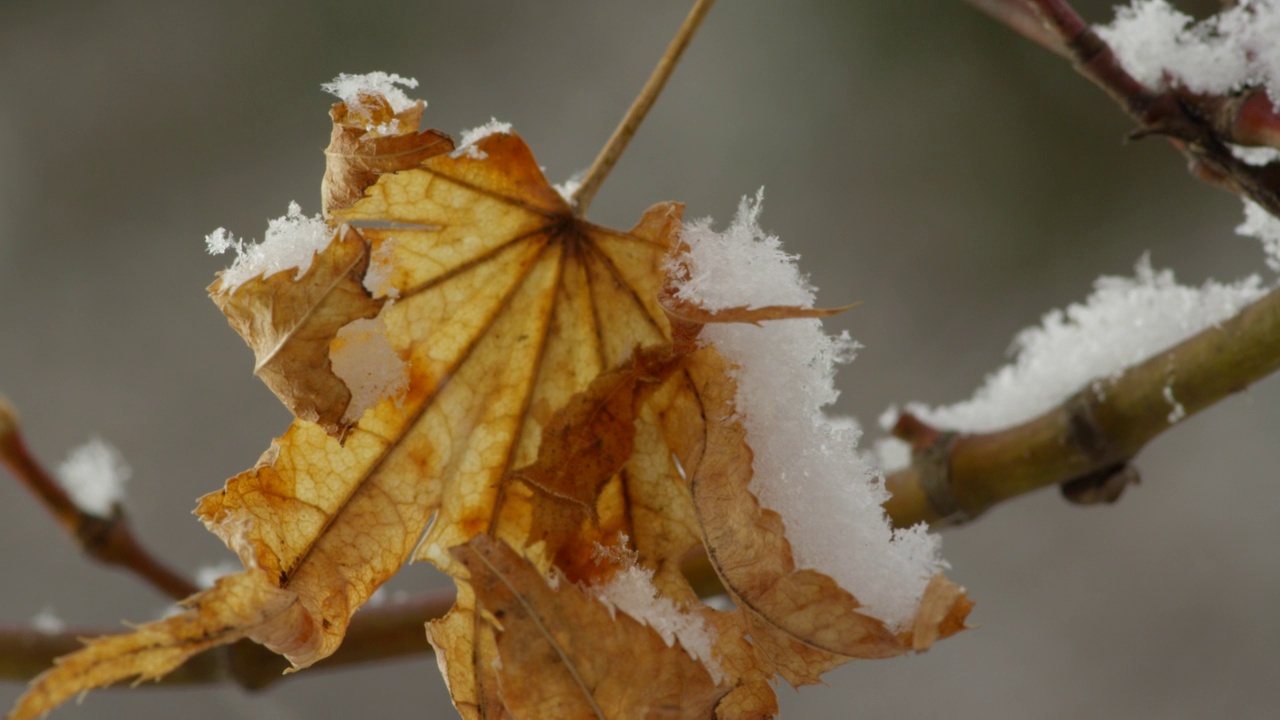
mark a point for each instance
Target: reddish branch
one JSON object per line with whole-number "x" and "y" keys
{"x": 1017, "y": 14}
{"x": 1200, "y": 126}
{"x": 108, "y": 540}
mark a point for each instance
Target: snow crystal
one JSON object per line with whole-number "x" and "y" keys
{"x": 292, "y": 241}
{"x": 94, "y": 475}
{"x": 892, "y": 454}
{"x": 1260, "y": 224}
{"x": 349, "y": 87}
{"x": 632, "y": 591}
{"x": 363, "y": 358}
{"x": 1123, "y": 322}
{"x": 1231, "y": 50}
{"x": 1251, "y": 155}
{"x": 570, "y": 186}
{"x": 47, "y": 621}
{"x": 805, "y": 467}
{"x": 1178, "y": 412}
{"x": 467, "y": 144}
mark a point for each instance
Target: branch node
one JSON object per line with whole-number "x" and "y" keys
{"x": 934, "y": 463}
{"x": 919, "y": 434}
{"x": 1102, "y": 487}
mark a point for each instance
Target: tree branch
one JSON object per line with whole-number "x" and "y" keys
{"x": 381, "y": 632}
{"x": 1200, "y": 126}
{"x": 1088, "y": 441}
{"x": 1019, "y": 16}
{"x": 108, "y": 540}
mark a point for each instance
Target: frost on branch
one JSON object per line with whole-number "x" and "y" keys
{"x": 1260, "y": 224}
{"x": 1123, "y": 322}
{"x": 94, "y": 475}
{"x": 1233, "y": 49}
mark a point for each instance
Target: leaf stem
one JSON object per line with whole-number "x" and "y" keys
{"x": 640, "y": 107}
{"x": 108, "y": 540}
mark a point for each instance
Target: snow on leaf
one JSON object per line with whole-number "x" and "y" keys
{"x": 364, "y": 93}
{"x": 805, "y": 464}
{"x": 290, "y": 324}
{"x": 360, "y": 150}
{"x": 467, "y": 144}
{"x": 291, "y": 242}
{"x": 800, "y": 620}
{"x": 559, "y": 651}
{"x": 557, "y": 401}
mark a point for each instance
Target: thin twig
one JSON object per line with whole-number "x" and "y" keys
{"x": 108, "y": 540}
{"x": 626, "y": 129}
{"x": 383, "y": 632}
{"x": 1092, "y": 436}
{"x": 1017, "y": 14}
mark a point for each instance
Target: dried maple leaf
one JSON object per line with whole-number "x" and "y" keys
{"x": 290, "y": 324}
{"x": 370, "y": 138}
{"x": 558, "y": 649}
{"x": 802, "y": 622}
{"x": 553, "y": 403}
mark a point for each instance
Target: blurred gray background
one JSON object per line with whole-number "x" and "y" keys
{"x": 918, "y": 157}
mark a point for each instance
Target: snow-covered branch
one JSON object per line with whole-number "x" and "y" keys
{"x": 1088, "y": 440}
{"x": 1203, "y": 117}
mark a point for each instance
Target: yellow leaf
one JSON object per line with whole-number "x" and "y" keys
{"x": 370, "y": 139}
{"x": 290, "y": 324}
{"x": 801, "y": 621}
{"x": 557, "y": 403}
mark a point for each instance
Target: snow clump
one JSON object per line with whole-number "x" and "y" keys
{"x": 806, "y": 467}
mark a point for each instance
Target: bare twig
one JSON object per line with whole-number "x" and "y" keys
{"x": 626, "y": 129}
{"x": 1199, "y": 126}
{"x": 108, "y": 540}
{"x": 1018, "y": 15}
{"x": 383, "y": 632}
{"x": 379, "y": 633}
{"x": 1090, "y": 438}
